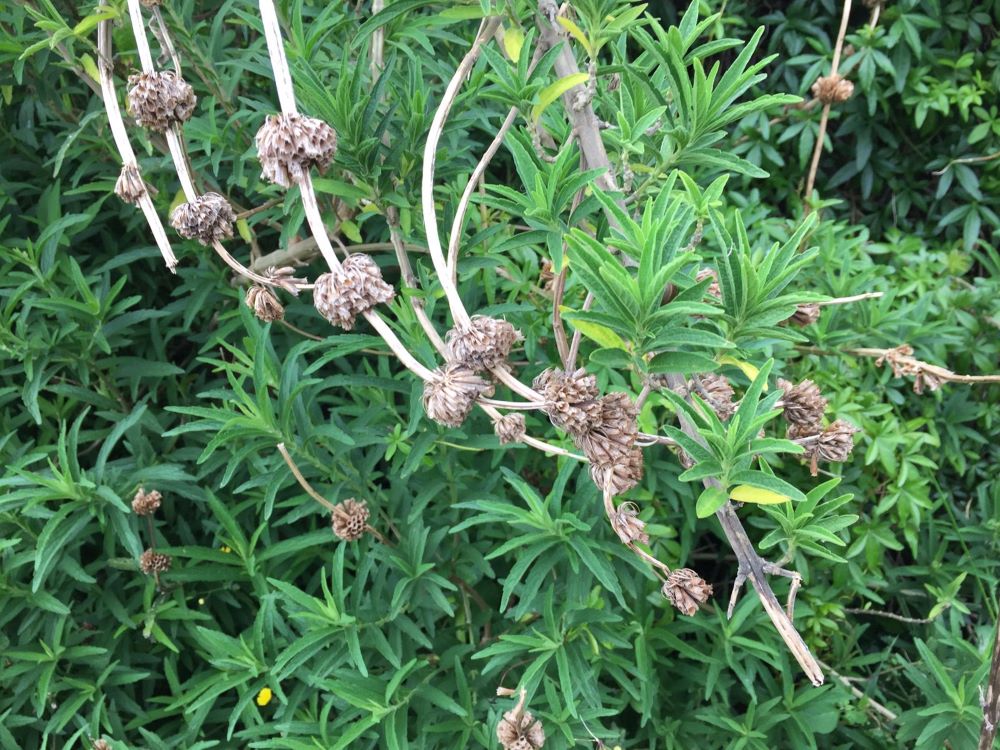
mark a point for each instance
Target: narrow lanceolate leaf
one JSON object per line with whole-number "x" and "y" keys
{"x": 553, "y": 91}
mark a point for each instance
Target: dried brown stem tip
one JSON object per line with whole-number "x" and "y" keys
{"x": 160, "y": 99}
{"x": 903, "y": 364}
{"x": 686, "y": 590}
{"x": 130, "y": 186}
{"x": 289, "y": 145}
{"x": 832, "y": 89}
{"x": 481, "y": 344}
{"x": 208, "y": 218}
{"x": 833, "y": 444}
{"x": 153, "y": 562}
{"x": 451, "y": 394}
{"x": 146, "y": 503}
{"x": 354, "y": 288}
{"x": 509, "y": 428}
{"x": 803, "y": 403}
{"x": 265, "y": 304}
{"x": 349, "y": 519}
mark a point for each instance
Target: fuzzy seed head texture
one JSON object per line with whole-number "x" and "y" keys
{"x": 805, "y": 315}
{"x": 349, "y": 519}
{"x": 509, "y": 428}
{"x": 451, "y": 394}
{"x": 716, "y": 391}
{"x": 160, "y": 99}
{"x": 832, "y": 89}
{"x": 264, "y": 303}
{"x": 130, "y": 186}
{"x": 686, "y": 590}
{"x": 289, "y": 145}
{"x": 354, "y": 288}
{"x": 519, "y": 730}
{"x": 803, "y": 403}
{"x": 208, "y": 219}
{"x": 152, "y": 562}
{"x": 833, "y": 443}
{"x": 572, "y": 399}
{"x": 482, "y": 344}
{"x": 146, "y": 503}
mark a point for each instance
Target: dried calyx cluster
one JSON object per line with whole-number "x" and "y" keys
{"x": 832, "y": 89}
{"x": 151, "y": 562}
{"x": 803, "y": 407}
{"x": 518, "y": 728}
{"x": 349, "y": 519}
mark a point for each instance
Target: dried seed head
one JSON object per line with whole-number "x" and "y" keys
{"x": 716, "y": 391}
{"x": 519, "y": 730}
{"x": 713, "y": 289}
{"x": 627, "y": 524}
{"x": 152, "y": 562}
{"x": 572, "y": 399}
{"x": 208, "y": 218}
{"x": 151, "y": 3}
{"x": 616, "y": 462}
{"x": 621, "y": 475}
{"x": 289, "y": 145}
{"x": 350, "y": 519}
{"x": 803, "y": 403}
{"x": 354, "y": 288}
{"x": 832, "y": 89}
{"x": 130, "y": 186}
{"x": 450, "y": 395}
{"x": 686, "y": 590}
{"x": 100, "y": 745}
{"x": 158, "y": 100}
{"x": 265, "y": 304}
{"x": 904, "y": 364}
{"x": 509, "y": 428}
{"x": 146, "y": 503}
{"x": 833, "y": 444}
{"x": 805, "y": 315}
{"x": 482, "y": 344}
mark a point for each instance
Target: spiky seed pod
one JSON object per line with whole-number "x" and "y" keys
{"x": 450, "y": 395}
{"x": 152, "y": 562}
{"x": 616, "y": 463}
{"x": 289, "y": 145}
{"x": 130, "y": 186}
{"x": 572, "y": 399}
{"x": 686, "y": 590}
{"x": 354, "y": 288}
{"x": 715, "y": 389}
{"x": 208, "y": 218}
{"x": 804, "y": 315}
{"x": 803, "y": 403}
{"x": 146, "y": 503}
{"x": 349, "y": 519}
{"x": 627, "y": 524}
{"x": 713, "y": 289}
{"x": 509, "y": 428}
{"x": 482, "y": 344}
{"x": 832, "y": 89}
{"x": 833, "y": 443}
{"x": 621, "y": 475}
{"x": 265, "y": 304}
{"x": 160, "y": 99}
{"x": 520, "y": 730}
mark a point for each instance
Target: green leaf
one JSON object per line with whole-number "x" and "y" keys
{"x": 553, "y": 91}
{"x": 710, "y": 500}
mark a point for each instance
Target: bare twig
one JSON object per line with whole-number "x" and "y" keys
{"x": 967, "y": 160}
{"x": 991, "y": 698}
{"x": 889, "y": 615}
{"x": 852, "y": 298}
{"x": 872, "y": 703}
{"x": 302, "y": 480}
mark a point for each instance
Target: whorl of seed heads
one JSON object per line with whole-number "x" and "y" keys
{"x": 509, "y": 428}
{"x": 520, "y": 730}
{"x": 146, "y": 503}
{"x": 354, "y": 288}
{"x": 803, "y": 403}
{"x": 620, "y": 475}
{"x": 289, "y": 145}
{"x": 349, "y": 519}
{"x": 451, "y": 394}
{"x": 616, "y": 462}
{"x": 832, "y": 89}
{"x": 130, "y": 186}
{"x": 715, "y": 389}
{"x": 265, "y": 304}
{"x": 805, "y": 315}
{"x": 482, "y": 344}
{"x": 152, "y": 562}
{"x": 572, "y": 399}
{"x": 160, "y": 99}
{"x": 686, "y": 590}
{"x": 627, "y": 524}
{"x": 208, "y": 218}
{"x": 833, "y": 443}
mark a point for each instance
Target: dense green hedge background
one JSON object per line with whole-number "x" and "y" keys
{"x": 115, "y": 374}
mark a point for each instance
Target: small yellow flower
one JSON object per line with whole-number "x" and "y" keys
{"x": 225, "y": 549}
{"x": 201, "y": 601}
{"x": 264, "y": 696}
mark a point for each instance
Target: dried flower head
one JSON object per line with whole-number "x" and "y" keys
{"x": 805, "y": 315}
{"x": 833, "y": 443}
{"x": 715, "y": 390}
{"x": 354, "y": 288}
{"x": 151, "y": 3}
{"x": 519, "y": 730}
{"x": 832, "y": 89}
{"x": 100, "y": 745}
{"x": 904, "y": 364}
{"x": 208, "y": 218}
{"x": 160, "y": 99}
{"x": 627, "y": 524}
{"x": 572, "y": 399}
{"x": 152, "y": 562}
{"x": 289, "y": 145}
{"x": 350, "y": 519}
{"x": 264, "y": 303}
{"x": 509, "y": 428}
{"x": 713, "y": 289}
{"x": 621, "y": 474}
{"x": 803, "y": 403}
{"x": 146, "y": 503}
{"x": 130, "y": 186}
{"x": 686, "y": 590}
{"x": 450, "y": 395}
{"x": 482, "y": 344}
{"x": 616, "y": 463}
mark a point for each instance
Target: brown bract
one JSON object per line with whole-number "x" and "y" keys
{"x": 160, "y": 99}
{"x": 481, "y": 344}
{"x": 208, "y": 219}
{"x": 571, "y": 398}
{"x": 152, "y": 562}
{"x": 146, "y": 503}
{"x": 686, "y": 590}
{"x": 805, "y": 315}
{"x": 520, "y": 730}
{"x": 349, "y": 519}
{"x": 832, "y": 89}
{"x": 130, "y": 186}
{"x": 509, "y": 428}
{"x": 616, "y": 462}
{"x": 451, "y": 393}
{"x": 354, "y": 288}
{"x": 289, "y": 145}
{"x": 833, "y": 443}
{"x": 265, "y": 304}
{"x": 803, "y": 404}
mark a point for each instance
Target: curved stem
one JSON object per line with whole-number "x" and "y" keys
{"x": 302, "y": 480}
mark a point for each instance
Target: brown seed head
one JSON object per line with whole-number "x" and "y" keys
{"x": 154, "y": 562}
{"x": 833, "y": 89}
{"x": 833, "y": 443}
{"x": 713, "y": 289}
{"x": 482, "y": 344}
{"x": 160, "y": 99}
{"x": 100, "y": 745}
{"x": 519, "y": 730}
{"x": 208, "y": 218}
{"x": 627, "y": 524}
{"x": 716, "y": 391}
{"x": 805, "y": 315}
{"x": 509, "y": 428}
{"x": 350, "y": 519}
{"x": 130, "y": 186}
{"x": 450, "y": 395}
{"x": 616, "y": 463}
{"x": 265, "y": 304}
{"x": 289, "y": 145}
{"x": 803, "y": 403}
{"x": 146, "y": 503}
{"x": 354, "y": 288}
{"x": 572, "y": 397}
{"x": 686, "y": 590}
